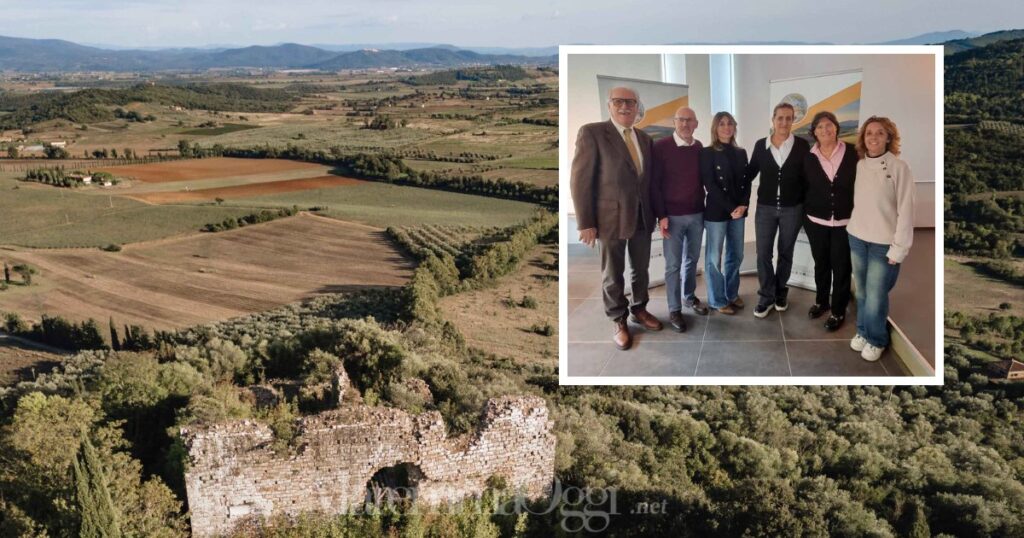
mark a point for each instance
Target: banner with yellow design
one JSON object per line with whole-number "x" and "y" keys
{"x": 838, "y": 93}
{"x": 658, "y": 100}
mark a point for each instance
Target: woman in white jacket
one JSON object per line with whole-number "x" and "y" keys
{"x": 881, "y": 230}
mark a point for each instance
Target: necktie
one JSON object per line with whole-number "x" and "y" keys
{"x": 627, "y": 136}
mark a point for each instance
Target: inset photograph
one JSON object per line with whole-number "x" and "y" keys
{"x": 750, "y": 215}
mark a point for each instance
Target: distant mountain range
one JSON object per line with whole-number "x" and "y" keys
{"x": 55, "y": 55}
{"x": 50, "y": 55}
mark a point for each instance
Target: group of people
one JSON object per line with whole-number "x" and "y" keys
{"x": 855, "y": 204}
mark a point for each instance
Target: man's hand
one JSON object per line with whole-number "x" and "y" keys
{"x": 738, "y": 212}
{"x": 663, "y": 224}
{"x": 588, "y": 237}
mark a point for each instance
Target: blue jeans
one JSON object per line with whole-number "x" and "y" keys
{"x": 723, "y": 280}
{"x": 682, "y": 248}
{"x": 873, "y": 276}
{"x": 768, "y": 220}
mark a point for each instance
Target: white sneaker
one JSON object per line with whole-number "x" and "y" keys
{"x": 858, "y": 342}
{"x": 871, "y": 353}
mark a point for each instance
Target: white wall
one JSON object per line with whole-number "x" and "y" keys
{"x": 901, "y": 87}
{"x": 584, "y": 102}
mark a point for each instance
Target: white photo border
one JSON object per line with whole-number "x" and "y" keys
{"x": 565, "y": 205}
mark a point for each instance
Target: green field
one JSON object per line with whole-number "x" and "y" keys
{"x": 45, "y": 217}
{"x": 318, "y": 133}
{"x": 383, "y": 205}
{"x": 973, "y": 292}
{"x": 224, "y": 129}
{"x": 544, "y": 161}
{"x": 38, "y": 216}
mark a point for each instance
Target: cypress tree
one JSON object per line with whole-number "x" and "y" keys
{"x": 115, "y": 344}
{"x": 96, "y": 508}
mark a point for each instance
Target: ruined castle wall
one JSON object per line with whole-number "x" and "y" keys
{"x": 235, "y": 473}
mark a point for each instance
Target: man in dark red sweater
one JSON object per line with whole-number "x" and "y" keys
{"x": 677, "y": 198}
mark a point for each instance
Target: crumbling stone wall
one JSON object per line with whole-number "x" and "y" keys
{"x": 234, "y": 473}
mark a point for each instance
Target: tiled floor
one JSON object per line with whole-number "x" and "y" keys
{"x": 783, "y": 344}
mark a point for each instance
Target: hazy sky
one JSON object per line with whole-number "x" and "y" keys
{"x": 147, "y": 23}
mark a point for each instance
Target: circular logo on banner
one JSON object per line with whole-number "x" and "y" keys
{"x": 799, "y": 103}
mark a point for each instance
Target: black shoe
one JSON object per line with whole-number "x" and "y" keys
{"x": 762, "y": 310}
{"x": 697, "y": 307}
{"x": 817, "y": 310}
{"x": 677, "y": 322}
{"x": 781, "y": 304}
{"x": 834, "y": 322}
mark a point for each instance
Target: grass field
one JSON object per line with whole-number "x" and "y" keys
{"x": 22, "y": 362}
{"x": 547, "y": 160}
{"x": 492, "y": 320}
{"x": 382, "y": 205}
{"x": 192, "y": 280}
{"x": 223, "y": 129}
{"x": 246, "y": 190}
{"x": 42, "y": 216}
{"x": 971, "y": 291}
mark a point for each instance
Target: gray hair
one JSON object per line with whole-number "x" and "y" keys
{"x": 635, "y": 93}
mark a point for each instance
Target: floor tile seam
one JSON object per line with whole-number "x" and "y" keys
{"x": 703, "y": 338}
{"x": 607, "y": 359}
{"x": 785, "y": 346}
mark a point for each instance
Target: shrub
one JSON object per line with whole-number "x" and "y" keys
{"x": 544, "y": 330}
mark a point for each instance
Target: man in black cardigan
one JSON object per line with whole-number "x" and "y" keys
{"x": 779, "y": 160}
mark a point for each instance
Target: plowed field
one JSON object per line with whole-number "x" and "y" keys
{"x": 245, "y": 191}
{"x": 197, "y": 169}
{"x": 180, "y": 282}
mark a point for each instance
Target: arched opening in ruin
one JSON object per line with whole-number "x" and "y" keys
{"x": 393, "y": 486}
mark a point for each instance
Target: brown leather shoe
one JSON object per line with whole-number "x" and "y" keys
{"x": 622, "y": 338}
{"x": 738, "y": 303}
{"x": 728, "y": 310}
{"x": 645, "y": 318}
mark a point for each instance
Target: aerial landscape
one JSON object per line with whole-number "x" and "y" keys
{"x": 270, "y": 291}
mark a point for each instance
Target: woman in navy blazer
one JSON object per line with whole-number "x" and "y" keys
{"x": 722, "y": 167}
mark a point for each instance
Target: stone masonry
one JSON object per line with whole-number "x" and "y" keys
{"x": 234, "y": 474}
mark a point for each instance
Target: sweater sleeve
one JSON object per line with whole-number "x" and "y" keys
{"x": 753, "y": 167}
{"x": 904, "y": 235}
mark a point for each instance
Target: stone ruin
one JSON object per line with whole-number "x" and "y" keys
{"x": 234, "y": 474}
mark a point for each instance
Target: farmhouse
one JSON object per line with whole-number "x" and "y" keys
{"x": 1010, "y": 369}
{"x": 355, "y": 454}
{"x": 83, "y": 178}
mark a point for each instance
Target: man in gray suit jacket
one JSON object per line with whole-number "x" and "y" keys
{"x": 611, "y": 176}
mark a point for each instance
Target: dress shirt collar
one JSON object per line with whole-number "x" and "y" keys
{"x": 680, "y": 142}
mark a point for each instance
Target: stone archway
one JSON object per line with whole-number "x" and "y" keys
{"x": 394, "y": 485}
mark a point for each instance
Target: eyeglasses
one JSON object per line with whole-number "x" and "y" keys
{"x": 623, "y": 102}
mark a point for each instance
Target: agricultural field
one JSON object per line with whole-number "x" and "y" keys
{"x": 324, "y": 111}
{"x": 169, "y": 274}
{"x": 217, "y": 168}
{"x": 971, "y": 291}
{"x": 33, "y": 215}
{"x": 20, "y": 361}
{"x": 509, "y": 319}
{"x": 383, "y": 205}
{"x": 192, "y": 280}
